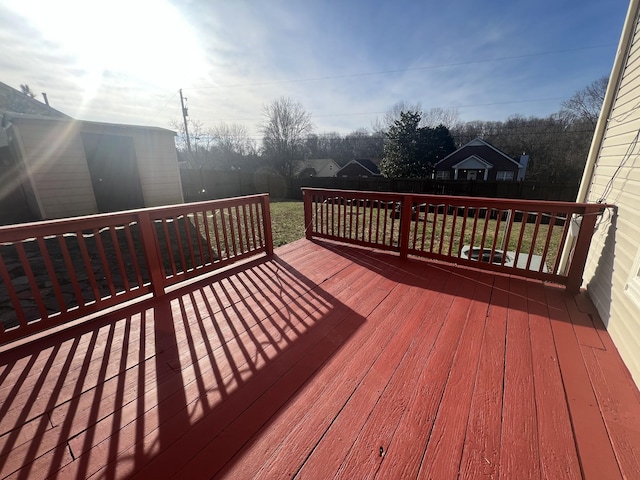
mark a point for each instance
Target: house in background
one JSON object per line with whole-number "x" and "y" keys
{"x": 479, "y": 160}
{"x": 612, "y": 176}
{"x": 359, "y": 167}
{"x": 60, "y": 167}
{"x": 13, "y": 100}
{"x": 317, "y": 167}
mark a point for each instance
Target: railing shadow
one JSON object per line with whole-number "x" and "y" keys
{"x": 143, "y": 390}
{"x": 412, "y": 271}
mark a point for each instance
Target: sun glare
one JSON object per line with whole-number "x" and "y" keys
{"x": 141, "y": 40}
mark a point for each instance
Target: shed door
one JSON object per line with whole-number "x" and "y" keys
{"x": 114, "y": 171}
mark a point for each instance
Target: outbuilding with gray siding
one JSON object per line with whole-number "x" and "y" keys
{"x": 65, "y": 167}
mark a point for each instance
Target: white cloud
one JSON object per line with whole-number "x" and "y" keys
{"x": 125, "y": 61}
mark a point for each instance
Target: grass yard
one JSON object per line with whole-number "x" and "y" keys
{"x": 287, "y": 220}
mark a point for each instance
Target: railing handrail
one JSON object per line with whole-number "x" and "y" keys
{"x": 408, "y": 207}
{"x": 567, "y": 207}
{"x": 106, "y": 259}
{"x": 43, "y": 227}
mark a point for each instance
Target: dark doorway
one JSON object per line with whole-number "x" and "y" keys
{"x": 16, "y": 206}
{"x": 114, "y": 171}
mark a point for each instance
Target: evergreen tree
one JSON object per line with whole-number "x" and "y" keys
{"x": 411, "y": 151}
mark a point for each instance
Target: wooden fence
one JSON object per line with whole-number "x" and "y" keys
{"x": 519, "y": 237}
{"x": 53, "y": 272}
{"x": 208, "y": 184}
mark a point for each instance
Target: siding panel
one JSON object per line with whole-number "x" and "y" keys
{"x": 615, "y": 247}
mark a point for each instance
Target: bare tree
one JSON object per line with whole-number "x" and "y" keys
{"x": 449, "y": 117}
{"x": 586, "y": 103}
{"x": 24, "y": 88}
{"x": 284, "y": 131}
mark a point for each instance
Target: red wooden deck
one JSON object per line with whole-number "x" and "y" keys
{"x": 327, "y": 361}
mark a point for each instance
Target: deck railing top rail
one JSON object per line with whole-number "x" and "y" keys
{"x": 518, "y": 237}
{"x": 52, "y": 272}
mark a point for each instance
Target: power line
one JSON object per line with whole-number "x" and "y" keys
{"x": 411, "y": 69}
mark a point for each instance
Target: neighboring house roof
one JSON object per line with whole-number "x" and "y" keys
{"x": 472, "y": 161}
{"x": 480, "y": 149}
{"x": 318, "y": 167}
{"x": 359, "y": 167}
{"x": 13, "y": 100}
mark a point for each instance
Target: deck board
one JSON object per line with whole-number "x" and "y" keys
{"x": 326, "y": 361}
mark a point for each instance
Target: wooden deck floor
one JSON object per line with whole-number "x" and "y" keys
{"x": 327, "y": 361}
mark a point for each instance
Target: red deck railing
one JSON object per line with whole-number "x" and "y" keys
{"x": 521, "y": 237}
{"x": 53, "y": 272}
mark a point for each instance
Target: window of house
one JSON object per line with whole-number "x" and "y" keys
{"x": 504, "y": 175}
{"x": 443, "y": 175}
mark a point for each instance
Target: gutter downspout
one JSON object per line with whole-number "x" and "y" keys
{"x": 614, "y": 81}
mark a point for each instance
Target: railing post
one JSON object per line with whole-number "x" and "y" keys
{"x": 579, "y": 258}
{"x": 306, "y": 198}
{"x": 405, "y": 225}
{"x": 152, "y": 253}
{"x": 268, "y": 232}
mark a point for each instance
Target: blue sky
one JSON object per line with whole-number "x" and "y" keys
{"x": 347, "y": 62}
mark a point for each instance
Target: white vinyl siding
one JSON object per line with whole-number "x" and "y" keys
{"x": 613, "y": 266}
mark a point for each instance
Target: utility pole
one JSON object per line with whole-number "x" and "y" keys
{"x": 185, "y": 114}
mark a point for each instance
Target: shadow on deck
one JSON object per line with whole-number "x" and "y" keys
{"x": 326, "y": 360}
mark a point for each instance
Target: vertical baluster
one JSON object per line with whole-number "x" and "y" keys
{"x": 523, "y": 226}
{"x": 71, "y": 270}
{"x": 434, "y": 227}
{"x": 483, "y": 240}
{"x": 113, "y": 233}
{"x": 444, "y": 224}
{"x": 552, "y": 224}
{"x": 187, "y": 230}
{"x": 15, "y": 300}
{"x": 384, "y": 227}
{"x": 216, "y": 232}
{"x": 198, "y": 230}
{"x": 87, "y": 265}
{"x": 453, "y": 230}
{"x": 378, "y": 221}
{"x": 252, "y": 206}
{"x": 496, "y": 233}
{"x": 167, "y": 239}
{"x": 397, "y": 209}
{"x": 507, "y": 236}
{"x": 134, "y": 255}
{"x": 463, "y": 231}
{"x": 565, "y": 232}
{"x": 55, "y": 283}
{"x": 35, "y": 288}
{"x": 239, "y": 230}
{"x": 105, "y": 263}
{"x": 176, "y": 228}
{"x": 473, "y": 231}
{"x": 533, "y": 243}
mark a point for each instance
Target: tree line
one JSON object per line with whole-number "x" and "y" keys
{"x": 407, "y": 140}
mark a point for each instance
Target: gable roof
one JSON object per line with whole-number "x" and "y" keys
{"x": 482, "y": 149}
{"x": 473, "y": 161}
{"x": 367, "y": 164}
{"x": 12, "y": 100}
{"x": 324, "y": 167}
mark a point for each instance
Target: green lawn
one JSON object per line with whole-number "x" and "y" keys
{"x": 287, "y": 220}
